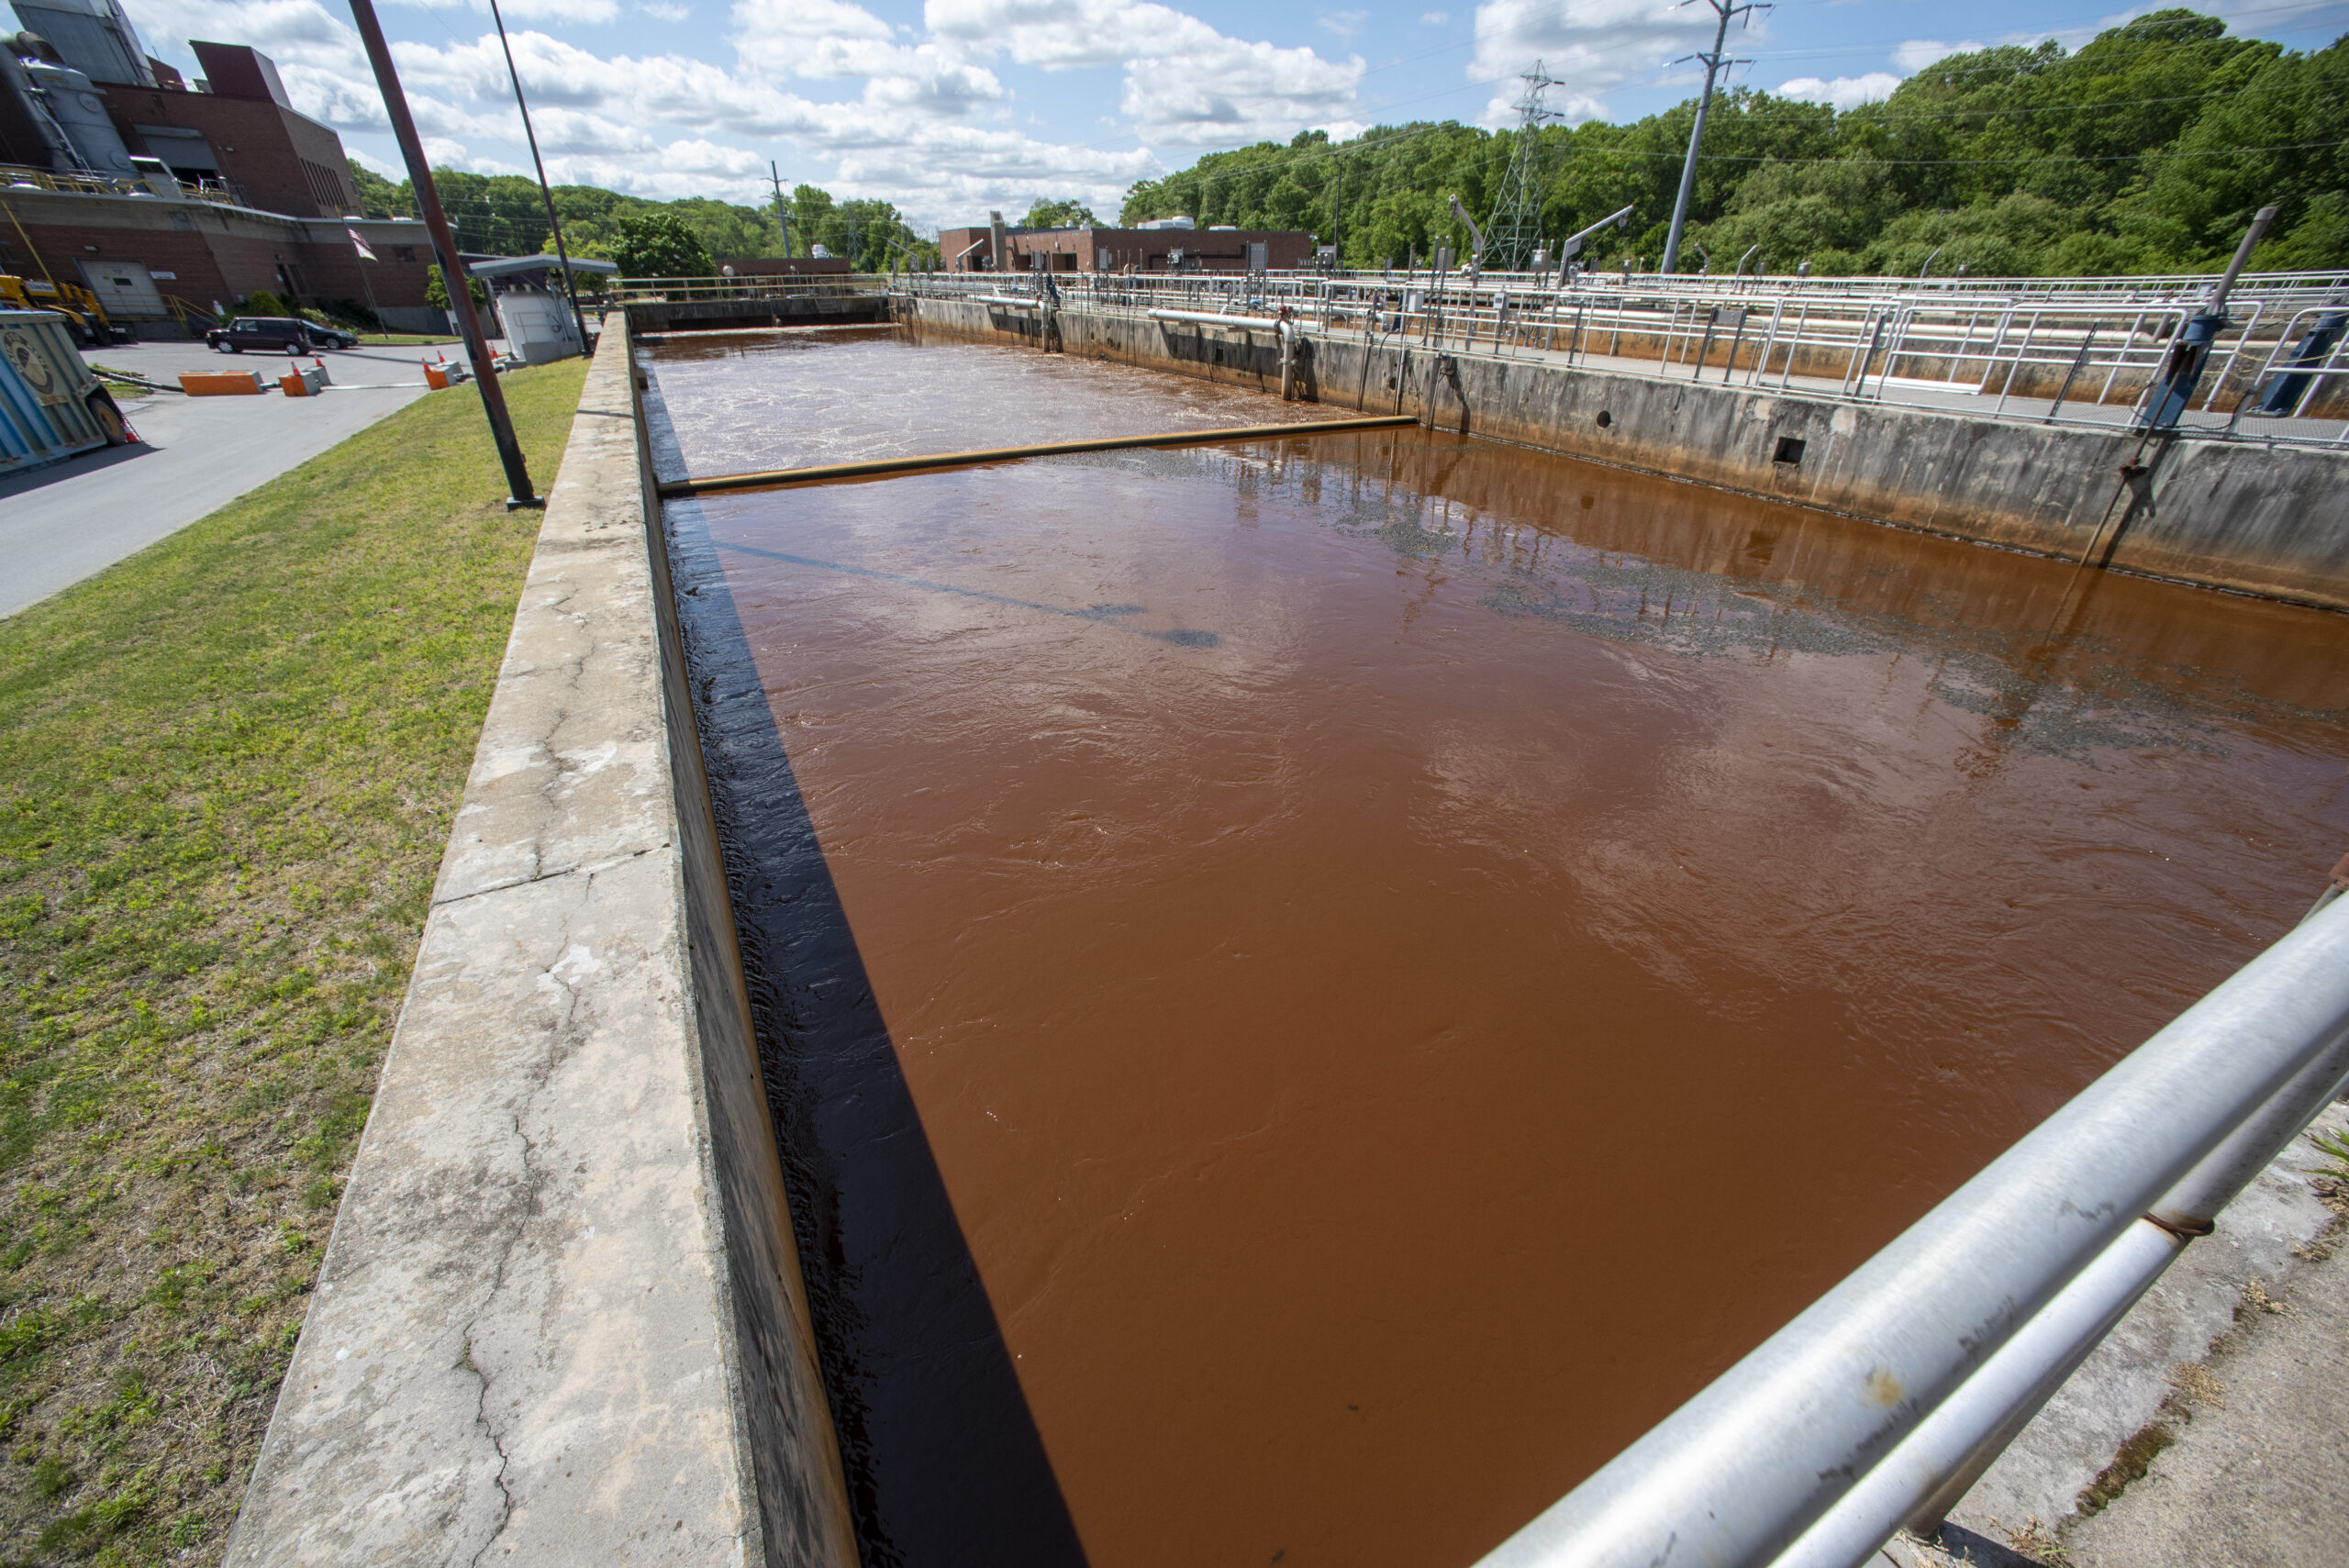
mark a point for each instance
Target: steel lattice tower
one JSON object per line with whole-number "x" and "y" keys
{"x": 1516, "y": 212}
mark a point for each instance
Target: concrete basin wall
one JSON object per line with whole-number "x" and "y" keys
{"x": 685, "y": 315}
{"x": 561, "y": 1319}
{"x": 2223, "y": 515}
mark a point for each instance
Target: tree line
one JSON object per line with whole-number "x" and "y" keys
{"x": 504, "y": 215}
{"x": 2147, "y": 150}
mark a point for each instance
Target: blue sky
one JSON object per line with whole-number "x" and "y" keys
{"x": 950, "y": 107}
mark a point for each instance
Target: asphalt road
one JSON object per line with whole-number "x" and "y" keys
{"x": 62, "y": 523}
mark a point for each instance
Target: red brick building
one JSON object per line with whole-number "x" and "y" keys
{"x": 147, "y": 258}
{"x": 243, "y": 134}
{"x": 970, "y": 249}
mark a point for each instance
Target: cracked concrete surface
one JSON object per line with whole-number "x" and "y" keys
{"x": 525, "y": 1343}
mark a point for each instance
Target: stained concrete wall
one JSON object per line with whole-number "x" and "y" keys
{"x": 2228, "y": 515}
{"x": 794, "y": 310}
{"x": 561, "y": 1320}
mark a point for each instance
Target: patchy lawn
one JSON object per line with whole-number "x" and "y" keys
{"x": 231, "y": 763}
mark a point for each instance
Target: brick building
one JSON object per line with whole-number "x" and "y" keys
{"x": 970, "y": 249}
{"x": 242, "y": 135}
{"x": 147, "y": 258}
{"x": 170, "y": 201}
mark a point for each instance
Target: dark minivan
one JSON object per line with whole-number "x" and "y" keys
{"x": 276, "y": 334}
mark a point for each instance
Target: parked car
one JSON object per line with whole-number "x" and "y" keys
{"x": 277, "y": 334}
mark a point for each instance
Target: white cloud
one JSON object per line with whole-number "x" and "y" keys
{"x": 1344, "y": 24}
{"x": 1592, "y": 45}
{"x": 662, "y": 11}
{"x": 1917, "y": 53}
{"x": 587, "y": 11}
{"x": 1185, "y": 83}
{"x": 1434, "y": 18}
{"x": 1844, "y": 92}
{"x": 917, "y": 117}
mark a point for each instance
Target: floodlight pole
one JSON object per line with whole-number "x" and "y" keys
{"x": 570, "y": 285}
{"x": 1713, "y": 63}
{"x": 519, "y": 491}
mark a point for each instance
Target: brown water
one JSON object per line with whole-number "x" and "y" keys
{"x": 1316, "y": 989}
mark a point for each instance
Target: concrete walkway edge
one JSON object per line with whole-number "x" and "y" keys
{"x": 561, "y": 1319}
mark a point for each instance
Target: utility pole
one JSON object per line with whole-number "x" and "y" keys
{"x": 570, "y": 287}
{"x": 781, "y": 213}
{"x": 1337, "y": 216}
{"x": 452, "y": 269}
{"x": 1713, "y": 63}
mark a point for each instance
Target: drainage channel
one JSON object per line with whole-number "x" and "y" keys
{"x": 1284, "y": 966}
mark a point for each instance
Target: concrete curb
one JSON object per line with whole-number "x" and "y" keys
{"x": 560, "y": 1316}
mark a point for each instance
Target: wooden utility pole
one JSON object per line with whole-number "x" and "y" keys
{"x": 519, "y": 491}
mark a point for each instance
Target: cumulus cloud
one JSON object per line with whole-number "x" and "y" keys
{"x": 1917, "y": 53}
{"x": 1185, "y": 83}
{"x": 1591, "y": 45}
{"x": 587, "y": 11}
{"x": 912, "y": 115}
{"x": 1844, "y": 92}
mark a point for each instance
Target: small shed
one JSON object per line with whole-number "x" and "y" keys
{"x": 533, "y": 312}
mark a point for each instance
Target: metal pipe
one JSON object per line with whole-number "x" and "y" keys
{"x": 2017, "y": 1378}
{"x": 2070, "y": 375}
{"x": 1739, "y": 1472}
{"x": 774, "y": 476}
{"x": 1936, "y": 1465}
{"x": 2259, "y": 222}
{"x": 1210, "y": 319}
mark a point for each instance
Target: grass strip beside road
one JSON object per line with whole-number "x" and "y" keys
{"x": 232, "y": 762}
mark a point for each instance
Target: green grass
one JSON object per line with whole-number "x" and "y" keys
{"x": 230, "y": 766}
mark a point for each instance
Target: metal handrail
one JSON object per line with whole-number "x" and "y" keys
{"x": 2076, "y": 359}
{"x": 17, "y": 175}
{"x": 1938, "y": 1348}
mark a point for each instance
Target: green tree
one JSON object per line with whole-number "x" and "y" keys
{"x": 659, "y": 245}
{"x": 435, "y": 289}
{"x": 1069, "y": 213}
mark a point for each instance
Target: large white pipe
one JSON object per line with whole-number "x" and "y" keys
{"x": 1205, "y": 318}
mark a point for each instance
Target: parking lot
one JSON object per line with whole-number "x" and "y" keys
{"x": 62, "y": 523}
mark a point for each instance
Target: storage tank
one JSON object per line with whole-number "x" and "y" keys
{"x": 74, "y": 104}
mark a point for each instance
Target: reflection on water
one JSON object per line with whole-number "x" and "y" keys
{"x": 881, "y": 395}
{"x": 1343, "y": 1074}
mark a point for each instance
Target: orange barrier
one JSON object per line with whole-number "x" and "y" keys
{"x": 221, "y": 383}
{"x": 303, "y": 381}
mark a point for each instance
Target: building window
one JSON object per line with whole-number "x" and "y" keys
{"x": 403, "y": 253}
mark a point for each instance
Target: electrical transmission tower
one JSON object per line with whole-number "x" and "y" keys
{"x": 1517, "y": 213}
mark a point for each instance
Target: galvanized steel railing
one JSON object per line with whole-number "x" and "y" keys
{"x": 2071, "y": 355}
{"x": 1882, "y": 1404}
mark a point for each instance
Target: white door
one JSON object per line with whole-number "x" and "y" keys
{"x": 125, "y": 289}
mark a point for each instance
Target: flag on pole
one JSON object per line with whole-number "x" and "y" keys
{"x": 370, "y": 255}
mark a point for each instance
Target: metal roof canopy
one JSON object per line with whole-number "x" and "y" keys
{"x": 501, "y": 266}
